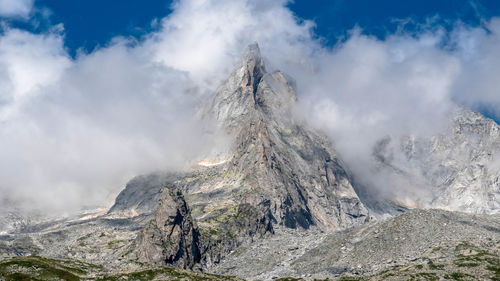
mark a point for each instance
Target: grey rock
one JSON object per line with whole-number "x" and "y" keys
{"x": 412, "y": 239}
{"x": 171, "y": 237}
{"x": 456, "y": 170}
{"x": 290, "y": 174}
{"x": 141, "y": 194}
{"x": 280, "y": 202}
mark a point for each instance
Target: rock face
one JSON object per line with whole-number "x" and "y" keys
{"x": 276, "y": 174}
{"x": 141, "y": 194}
{"x": 457, "y": 170}
{"x": 279, "y": 202}
{"x": 289, "y": 174}
{"x": 171, "y": 237}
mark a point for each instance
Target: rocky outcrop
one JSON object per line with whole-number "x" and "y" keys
{"x": 171, "y": 238}
{"x": 455, "y": 242}
{"x": 141, "y": 194}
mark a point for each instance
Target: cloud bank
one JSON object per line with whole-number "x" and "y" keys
{"x": 16, "y": 8}
{"x": 73, "y": 131}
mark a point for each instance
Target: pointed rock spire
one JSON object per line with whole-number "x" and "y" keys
{"x": 253, "y": 69}
{"x": 235, "y": 100}
{"x": 252, "y": 52}
{"x": 278, "y": 174}
{"x": 250, "y": 90}
{"x": 288, "y": 173}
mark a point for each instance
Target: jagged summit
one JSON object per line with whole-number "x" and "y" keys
{"x": 270, "y": 208}
{"x": 252, "y": 51}
{"x": 292, "y": 168}
{"x": 251, "y": 65}
{"x": 250, "y": 69}
{"x": 248, "y": 90}
{"x": 277, "y": 174}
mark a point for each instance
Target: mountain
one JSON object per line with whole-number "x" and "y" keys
{"x": 458, "y": 169}
{"x": 277, "y": 173}
{"x": 289, "y": 173}
{"x": 279, "y": 202}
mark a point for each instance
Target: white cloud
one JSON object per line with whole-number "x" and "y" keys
{"x": 28, "y": 62}
{"x": 16, "y": 8}
{"x": 478, "y": 85}
{"x": 75, "y": 130}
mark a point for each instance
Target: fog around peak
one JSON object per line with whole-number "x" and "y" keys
{"x": 74, "y": 130}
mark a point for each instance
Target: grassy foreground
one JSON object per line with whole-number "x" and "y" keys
{"x": 38, "y": 268}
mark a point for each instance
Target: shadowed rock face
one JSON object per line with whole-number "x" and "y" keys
{"x": 172, "y": 237}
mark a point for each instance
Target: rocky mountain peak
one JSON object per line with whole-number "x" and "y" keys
{"x": 252, "y": 65}
{"x": 278, "y": 174}
{"x": 288, "y": 172}
{"x": 248, "y": 72}
{"x": 249, "y": 91}
{"x": 272, "y": 206}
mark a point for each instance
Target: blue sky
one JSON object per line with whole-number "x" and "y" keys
{"x": 92, "y": 23}
{"x": 378, "y": 18}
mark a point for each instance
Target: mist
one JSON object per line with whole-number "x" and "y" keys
{"x": 75, "y": 130}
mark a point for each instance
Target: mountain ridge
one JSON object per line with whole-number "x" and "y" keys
{"x": 279, "y": 198}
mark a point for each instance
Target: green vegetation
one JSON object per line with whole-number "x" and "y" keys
{"x": 458, "y": 276}
{"x": 427, "y": 276}
{"x": 349, "y": 278}
{"x": 470, "y": 263}
{"x": 495, "y": 269}
{"x": 115, "y": 243}
{"x": 81, "y": 240}
{"x": 164, "y": 273}
{"x": 41, "y": 269}
{"x": 434, "y": 266}
{"x": 38, "y": 268}
{"x": 470, "y": 256}
{"x": 466, "y": 264}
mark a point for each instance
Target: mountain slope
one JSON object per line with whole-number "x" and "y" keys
{"x": 292, "y": 172}
{"x": 276, "y": 173}
{"x": 278, "y": 202}
{"x": 455, "y": 170}
{"x": 420, "y": 241}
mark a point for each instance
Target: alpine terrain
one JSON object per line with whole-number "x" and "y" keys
{"x": 279, "y": 202}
